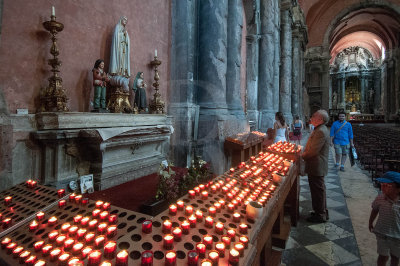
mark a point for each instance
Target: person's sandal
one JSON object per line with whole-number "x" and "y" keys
{"x": 342, "y": 168}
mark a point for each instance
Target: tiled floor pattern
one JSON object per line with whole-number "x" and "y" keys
{"x": 330, "y": 243}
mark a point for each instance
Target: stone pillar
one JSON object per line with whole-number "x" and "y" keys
{"x": 267, "y": 60}
{"x": 252, "y": 10}
{"x": 233, "y": 91}
{"x": 213, "y": 57}
{"x": 377, "y": 88}
{"x": 183, "y": 62}
{"x": 342, "y": 83}
{"x": 362, "y": 93}
{"x": 286, "y": 61}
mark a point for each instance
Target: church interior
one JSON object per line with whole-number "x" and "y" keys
{"x": 123, "y": 124}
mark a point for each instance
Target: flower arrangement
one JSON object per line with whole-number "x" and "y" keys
{"x": 198, "y": 172}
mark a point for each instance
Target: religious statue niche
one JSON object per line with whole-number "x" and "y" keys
{"x": 119, "y": 69}
{"x": 353, "y": 94}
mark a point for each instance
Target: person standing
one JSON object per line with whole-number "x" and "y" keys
{"x": 341, "y": 138}
{"x": 281, "y": 132}
{"x": 315, "y": 155}
{"x": 297, "y": 129}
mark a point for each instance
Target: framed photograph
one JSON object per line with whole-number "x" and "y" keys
{"x": 87, "y": 184}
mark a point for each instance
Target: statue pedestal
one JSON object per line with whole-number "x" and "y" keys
{"x": 115, "y": 148}
{"x": 119, "y": 102}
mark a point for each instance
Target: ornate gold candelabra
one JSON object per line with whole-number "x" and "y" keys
{"x": 53, "y": 98}
{"x": 157, "y": 104}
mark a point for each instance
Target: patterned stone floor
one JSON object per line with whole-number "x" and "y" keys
{"x": 330, "y": 243}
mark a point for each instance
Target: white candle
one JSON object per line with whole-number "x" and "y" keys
{"x": 53, "y": 11}
{"x": 155, "y": 52}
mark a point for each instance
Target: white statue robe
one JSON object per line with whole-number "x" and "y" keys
{"x": 120, "y": 52}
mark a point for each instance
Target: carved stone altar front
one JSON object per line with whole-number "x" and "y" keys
{"x": 115, "y": 148}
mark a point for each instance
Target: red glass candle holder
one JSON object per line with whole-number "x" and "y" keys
{"x": 168, "y": 241}
{"x": 166, "y": 226}
{"x": 84, "y": 221}
{"x": 62, "y": 203}
{"x": 78, "y": 199}
{"x": 38, "y": 246}
{"x": 185, "y": 227}
{"x": 6, "y": 222}
{"x": 52, "y": 236}
{"x": 77, "y": 218}
{"x": 177, "y": 233}
{"x": 68, "y": 243}
{"x": 101, "y": 228}
{"x": 31, "y": 260}
{"x": 204, "y": 195}
{"x": 231, "y": 233}
{"x": 33, "y": 226}
{"x": 40, "y": 263}
{"x": 197, "y": 190}
{"x": 112, "y": 219}
{"x": 243, "y": 228}
{"x": 193, "y": 258}
{"x": 188, "y": 210}
{"x": 170, "y": 258}
{"x": 40, "y": 216}
{"x": 219, "y": 228}
{"x": 147, "y": 226}
{"x": 80, "y": 234}
{"x": 220, "y": 247}
{"x": 240, "y": 248}
{"x": 72, "y": 230}
{"x": 192, "y": 220}
{"x": 147, "y": 258}
{"x": 60, "y": 240}
{"x": 95, "y": 213}
{"x": 63, "y": 259}
{"x": 5, "y": 242}
{"x": 214, "y": 188}
{"x": 16, "y": 251}
{"x": 217, "y": 206}
{"x": 65, "y": 227}
{"x": 106, "y": 206}
{"x": 212, "y": 211}
{"x": 173, "y": 209}
{"x": 92, "y": 225}
{"x": 227, "y": 241}
{"x": 213, "y": 256}
{"x": 77, "y": 248}
{"x": 208, "y": 241}
{"x": 85, "y": 252}
{"x": 199, "y": 216}
{"x": 84, "y": 201}
{"x": 122, "y": 258}
{"x": 234, "y": 257}
{"x": 75, "y": 261}
{"x": 99, "y": 204}
{"x": 28, "y": 183}
{"x": 244, "y": 240}
{"x": 46, "y": 250}
{"x": 180, "y": 204}
{"x": 236, "y": 217}
{"x": 209, "y": 222}
{"x": 94, "y": 258}
{"x": 52, "y": 221}
{"x": 89, "y": 237}
{"x": 99, "y": 241}
{"x": 206, "y": 262}
{"x": 7, "y": 200}
{"x": 201, "y": 249}
{"x": 103, "y": 215}
{"x": 23, "y": 256}
{"x": 111, "y": 231}
{"x": 231, "y": 207}
{"x": 10, "y": 247}
{"x": 55, "y": 253}
{"x": 192, "y": 194}
{"x": 110, "y": 249}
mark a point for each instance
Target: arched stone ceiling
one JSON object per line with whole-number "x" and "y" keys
{"x": 365, "y": 39}
{"x": 340, "y": 18}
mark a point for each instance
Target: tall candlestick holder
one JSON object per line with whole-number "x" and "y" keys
{"x": 53, "y": 98}
{"x": 157, "y": 104}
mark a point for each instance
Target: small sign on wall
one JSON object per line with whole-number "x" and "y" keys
{"x": 87, "y": 184}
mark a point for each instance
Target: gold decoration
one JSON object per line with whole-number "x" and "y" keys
{"x": 53, "y": 98}
{"x": 157, "y": 104}
{"x": 119, "y": 102}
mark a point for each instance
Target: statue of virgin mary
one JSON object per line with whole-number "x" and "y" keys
{"x": 120, "y": 47}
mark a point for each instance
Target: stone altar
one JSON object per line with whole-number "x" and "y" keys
{"x": 115, "y": 148}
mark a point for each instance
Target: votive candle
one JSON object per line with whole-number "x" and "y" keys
{"x": 103, "y": 215}
{"x": 180, "y": 204}
{"x": 77, "y": 248}
{"x": 40, "y": 216}
{"x": 93, "y": 224}
{"x": 236, "y": 217}
{"x": 201, "y": 249}
{"x": 55, "y": 253}
{"x": 199, "y": 216}
{"x": 110, "y": 249}
{"x": 193, "y": 258}
{"x": 99, "y": 241}
{"x": 234, "y": 257}
{"x": 33, "y": 226}
{"x": 53, "y": 235}
{"x": 85, "y": 252}
{"x": 170, "y": 258}
{"x": 173, "y": 209}
{"x": 147, "y": 226}
{"x": 38, "y": 245}
{"x": 212, "y": 211}
{"x": 63, "y": 259}
{"x": 226, "y": 240}
{"x": 244, "y": 240}
{"x": 185, "y": 227}
{"x": 213, "y": 256}
{"x": 5, "y": 242}
{"x": 192, "y": 220}
{"x": 52, "y": 221}
{"x": 188, "y": 210}
{"x": 30, "y": 261}
{"x": 208, "y": 241}
{"x": 46, "y": 250}
{"x": 78, "y": 199}
{"x": 7, "y": 200}
{"x": 95, "y": 213}
{"x": 60, "y": 240}
{"x": 111, "y": 231}
{"x": 231, "y": 233}
{"x": 65, "y": 227}
{"x": 68, "y": 243}
{"x": 219, "y": 228}
{"x": 240, "y": 248}
{"x": 147, "y": 258}
{"x": 209, "y": 221}
{"x": 84, "y": 221}
{"x": 243, "y": 228}
{"x": 204, "y": 195}
{"x": 98, "y": 204}
{"x": 220, "y": 247}
{"x": 72, "y": 230}
{"x": 168, "y": 241}
{"x": 112, "y": 219}
{"x": 101, "y": 228}
{"x": 177, "y": 233}
{"x": 89, "y": 237}
{"x": 166, "y": 227}
{"x": 81, "y": 233}
{"x": 122, "y": 258}
{"x": 94, "y": 258}
{"x": 77, "y": 219}
{"x": 192, "y": 194}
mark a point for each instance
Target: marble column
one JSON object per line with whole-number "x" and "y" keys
{"x": 266, "y": 86}
{"x": 252, "y": 58}
{"x": 233, "y": 91}
{"x": 342, "y": 83}
{"x": 295, "y": 108}
{"x": 286, "y": 61}
{"x": 183, "y": 61}
{"x": 362, "y": 93}
{"x": 213, "y": 57}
